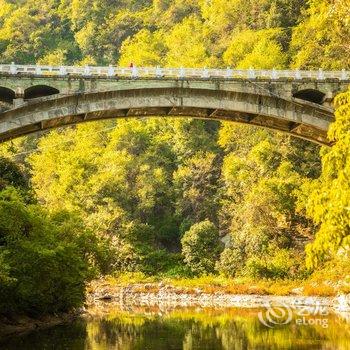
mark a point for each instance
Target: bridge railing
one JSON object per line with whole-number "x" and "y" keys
{"x": 179, "y": 73}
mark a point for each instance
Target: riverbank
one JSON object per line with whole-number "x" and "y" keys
{"x": 203, "y": 292}
{"x": 160, "y": 293}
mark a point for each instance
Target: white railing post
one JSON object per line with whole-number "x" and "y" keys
{"x": 320, "y": 75}
{"x": 87, "y": 71}
{"x": 159, "y": 73}
{"x": 134, "y": 72}
{"x": 297, "y": 74}
{"x": 274, "y": 74}
{"x": 205, "y": 73}
{"x": 111, "y": 71}
{"x": 181, "y": 73}
{"x": 229, "y": 73}
{"x": 62, "y": 71}
{"x": 37, "y": 70}
{"x": 13, "y": 68}
{"x": 251, "y": 73}
{"x": 344, "y": 76}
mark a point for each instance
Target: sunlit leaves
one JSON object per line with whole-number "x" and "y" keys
{"x": 252, "y": 49}
{"x": 327, "y": 199}
{"x": 144, "y": 49}
{"x": 322, "y": 37}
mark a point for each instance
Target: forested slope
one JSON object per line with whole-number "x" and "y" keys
{"x": 163, "y": 193}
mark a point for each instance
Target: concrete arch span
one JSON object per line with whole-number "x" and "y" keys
{"x": 299, "y": 118}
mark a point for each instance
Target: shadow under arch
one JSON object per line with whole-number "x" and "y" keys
{"x": 39, "y": 91}
{"x": 310, "y": 95}
{"x": 6, "y": 95}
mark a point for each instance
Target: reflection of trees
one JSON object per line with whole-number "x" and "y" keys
{"x": 72, "y": 337}
{"x": 187, "y": 329}
{"x": 119, "y": 333}
{"x": 201, "y": 336}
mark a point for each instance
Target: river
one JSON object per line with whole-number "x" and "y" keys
{"x": 155, "y": 328}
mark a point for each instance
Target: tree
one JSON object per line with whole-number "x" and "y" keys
{"x": 201, "y": 247}
{"x": 327, "y": 199}
{"x": 186, "y": 44}
{"x": 196, "y": 184}
{"x": 261, "y": 172}
{"x": 321, "y": 40}
{"x": 11, "y": 175}
{"x": 45, "y": 265}
{"x": 256, "y": 49}
{"x": 144, "y": 49}
{"x": 31, "y": 30}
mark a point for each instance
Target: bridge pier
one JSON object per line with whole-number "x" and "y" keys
{"x": 19, "y": 102}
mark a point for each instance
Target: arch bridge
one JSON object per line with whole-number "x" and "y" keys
{"x": 34, "y": 98}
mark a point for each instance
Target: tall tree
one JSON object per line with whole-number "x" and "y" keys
{"x": 327, "y": 199}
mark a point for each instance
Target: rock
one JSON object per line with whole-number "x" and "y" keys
{"x": 297, "y": 291}
{"x": 343, "y": 302}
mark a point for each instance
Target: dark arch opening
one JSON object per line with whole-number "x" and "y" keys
{"x": 310, "y": 95}
{"x": 6, "y": 95}
{"x": 39, "y": 91}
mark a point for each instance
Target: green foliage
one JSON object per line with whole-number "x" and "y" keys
{"x": 161, "y": 262}
{"x": 261, "y": 175}
{"x": 252, "y": 49}
{"x": 178, "y": 271}
{"x": 321, "y": 39}
{"x": 201, "y": 247}
{"x": 152, "y": 32}
{"x": 187, "y": 50}
{"x": 232, "y": 261}
{"x": 196, "y": 184}
{"x": 144, "y": 49}
{"x": 327, "y": 199}
{"x": 11, "y": 175}
{"x": 120, "y": 195}
{"x": 276, "y": 265}
{"x": 44, "y": 267}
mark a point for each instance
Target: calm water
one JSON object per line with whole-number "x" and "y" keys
{"x": 190, "y": 328}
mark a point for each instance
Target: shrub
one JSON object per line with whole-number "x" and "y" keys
{"x": 281, "y": 264}
{"x": 201, "y": 247}
{"x": 178, "y": 271}
{"x": 44, "y": 262}
{"x": 158, "y": 261}
{"x": 11, "y": 175}
{"x": 231, "y": 261}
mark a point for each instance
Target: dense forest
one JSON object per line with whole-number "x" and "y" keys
{"x": 170, "y": 197}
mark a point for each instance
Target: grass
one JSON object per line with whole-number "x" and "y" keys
{"x": 314, "y": 286}
{"x": 331, "y": 280}
{"x": 205, "y": 284}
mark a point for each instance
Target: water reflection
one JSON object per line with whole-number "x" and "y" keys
{"x": 112, "y": 327}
